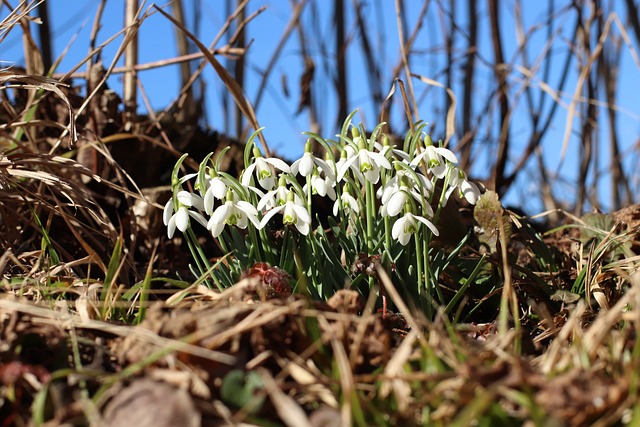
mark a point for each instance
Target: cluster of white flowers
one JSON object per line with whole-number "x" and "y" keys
{"x": 269, "y": 186}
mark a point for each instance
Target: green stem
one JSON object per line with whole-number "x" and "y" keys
{"x": 200, "y": 258}
{"x": 420, "y": 270}
{"x": 386, "y": 258}
{"x": 370, "y": 216}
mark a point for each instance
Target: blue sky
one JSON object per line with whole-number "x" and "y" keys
{"x": 283, "y": 129}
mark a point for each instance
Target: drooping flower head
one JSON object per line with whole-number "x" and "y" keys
{"x": 436, "y": 158}
{"x": 176, "y": 215}
{"x": 467, "y": 189}
{"x": 306, "y": 164}
{"x": 233, "y": 212}
{"x": 293, "y": 213}
{"x": 408, "y": 225}
{"x": 365, "y": 162}
{"x": 264, "y": 169}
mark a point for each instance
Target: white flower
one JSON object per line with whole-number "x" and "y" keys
{"x": 216, "y": 189}
{"x": 179, "y": 218}
{"x": 321, "y": 186}
{"x": 232, "y": 212}
{"x": 347, "y": 153}
{"x": 467, "y": 189}
{"x": 367, "y": 163}
{"x": 308, "y": 161}
{"x": 348, "y": 202}
{"x": 276, "y": 197}
{"x": 395, "y": 193}
{"x": 404, "y": 227}
{"x": 434, "y": 158}
{"x": 264, "y": 170}
{"x": 292, "y": 213}
{"x": 387, "y": 150}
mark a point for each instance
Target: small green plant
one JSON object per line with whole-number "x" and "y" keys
{"x": 383, "y": 204}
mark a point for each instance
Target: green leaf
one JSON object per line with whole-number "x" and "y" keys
{"x": 243, "y": 390}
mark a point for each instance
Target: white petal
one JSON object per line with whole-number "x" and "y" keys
{"x": 306, "y": 164}
{"x": 429, "y": 224}
{"x": 380, "y": 160}
{"x": 447, "y": 154}
{"x": 326, "y": 168}
{"x": 168, "y": 212}
{"x": 398, "y": 229}
{"x": 171, "y": 227}
{"x": 217, "y": 228}
{"x": 209, "y": 198}
{"x": 278, "y": 164}
{"x": 425, "y": 182}
{"x": 396, "y": 203}
{"x": 247, "y": 208}
{"x": 440, "y": 171}
{"x": 331, "y": 192}
{"x": 218, "y": 188}
{"x": 470, "y": 191}
{"x": 268, "y": 182}
{"x": 198, "y": 217}
{"x": 269, "y": 215}
{"x": 184, "y": 197}
{"x": 349, "y": 200}
{"x": 242, "y": 220}
{"x": 345, "y": 166}
{"x": 303, "y": 227}
{"x": 219, "y": 216}
{"x": 246, "y": 175}
{"x": 373, "y": 175}
{"x": 295, "y": 165}
{"x": 385, "y": 193}
{"x": 267, "y": 201}
{"x": 319, "y": 185}
{"x": 182, "y": 219}
{"x": 301, "y": 213}
{"x": 417, "y": 159}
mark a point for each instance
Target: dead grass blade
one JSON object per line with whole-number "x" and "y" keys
{"x": 26, "y": 81}
{"x": 289, "y": 411}
{"x": 451, "y": 111}
{"x": 232, "y": 85}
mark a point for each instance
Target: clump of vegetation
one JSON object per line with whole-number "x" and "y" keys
{"x": 383, "y": 204}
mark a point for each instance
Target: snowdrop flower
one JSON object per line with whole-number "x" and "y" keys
{"x": 321, "y": 186}
{"x": 264, "y": 170}
{"x": 387, "y": 150}
{"x": 233, "y": 212}
{"x": 347, "y": 153}
{"x": 276, "y": 197}
{"x": 348, "y": 202}
{"x": 292, "y": 213}
{"x": 394, "y": 195}
{"x": 306, "y": 164}
{"x": 467, "y": 189}
{"x": 408, "y": 225}
{"x": 178, "y": 216}
{"x": 216, "y": 189}
{"x": 434, "y": 158}
{"x": 365, "y": 162}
